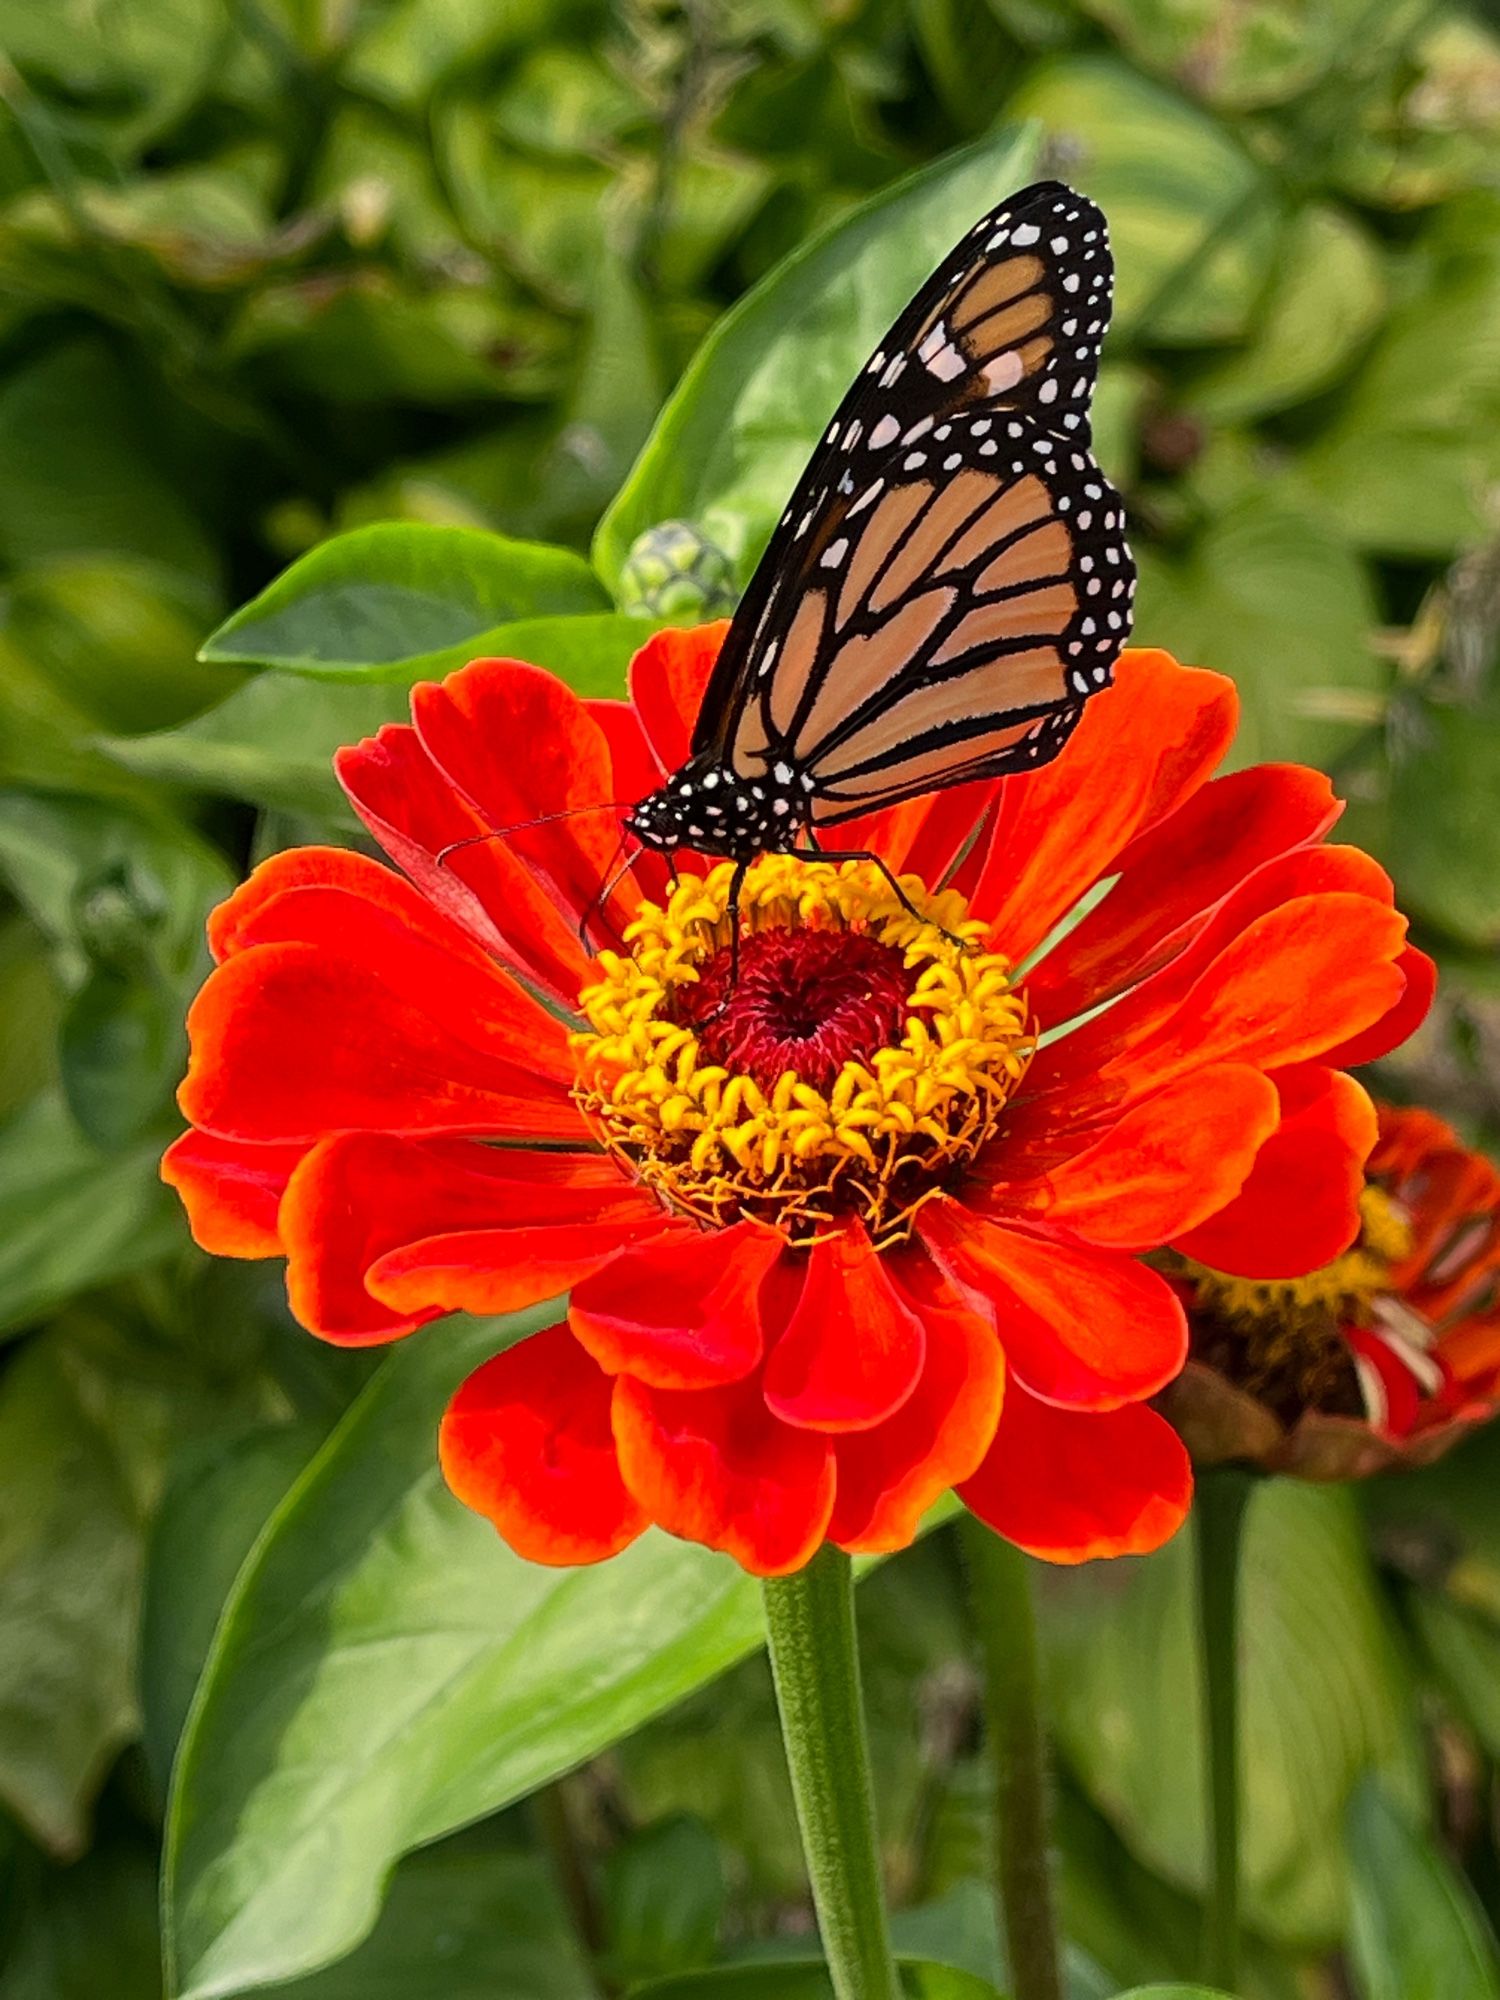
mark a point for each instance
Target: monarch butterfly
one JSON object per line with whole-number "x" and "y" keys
{"x": 950, "y": 582}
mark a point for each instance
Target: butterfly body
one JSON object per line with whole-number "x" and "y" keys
{"x": 950, "y": 582}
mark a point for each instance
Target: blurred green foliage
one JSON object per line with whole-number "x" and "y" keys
{"x": 398, "y": 288}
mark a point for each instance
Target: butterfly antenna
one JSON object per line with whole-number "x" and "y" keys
{"x": 524, "y": 825}
{"x": 600, "y": 900}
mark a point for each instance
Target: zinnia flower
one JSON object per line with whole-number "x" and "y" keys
{"x": 1386, "y": 1355}
{"x": 857, "y": 1226}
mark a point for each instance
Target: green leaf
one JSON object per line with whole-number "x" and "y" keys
{"x": 79, "y": 471}
{"x": 664, "y": 1897}
{"x": 1271, "y": 598}
{"x": 70, "y": 1556}
{"x": 1327, "y": 297}
{"x": 386, "y": 1670}
{"x": 210, "y": 1515}
{"x": 122, "y": 1047}
{"x": 1444, "y": 769}
{"x": 1325, "y": 1700}
{"x": 806, "y": 1979}
{"x": 740, "y": 425}
{"x": 1176, "y": 1993}
{"x": 1414, "y": 446}
{"x": 87, "y": 1930}
{"x": 401, "y": 598}
{"x": 72, "y": 1216}
{"x": 1170, "y": 178}
{"x": 1416, "y": 1929}
{"x": 462, "y": 1925}
{"x": 115, "y": 637}
{"x": 1258, "y": 52}
{"x": 272, "y": 740}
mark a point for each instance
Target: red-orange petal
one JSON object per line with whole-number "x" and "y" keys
{"x": 1299, "y": 1208}
{"x": 1392, "y": 1029}
{"x": 890, "y": 1476}
{"x": 1069, "y": 1487}
{"x": 1143, "y": 747}
{"x": 361, "y": 910}
{"x": 527, "y": 1443}
{"x": 413, "y": 811}
{"x": 518, "y": 746}
{"x": 361, "y": 1197}
{"x": 231, "y": 1191}
{"x": 290, "y": 1041}
{"x": 1173, "y": 877}
{"x": 851, "y": 1351}
{"x": 668, "y": 677}
{"x": 715, "y": 1466}
{"x": 683, "y": 1311}
{"x": 1084, "y": 1327}
{"x": 1164, "y": 1166}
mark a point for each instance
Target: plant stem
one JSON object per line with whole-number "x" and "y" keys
{"x": 1005, "y": 1622}
{"x": 810, "y": 1623}
{"x": 1219, "y": 1520}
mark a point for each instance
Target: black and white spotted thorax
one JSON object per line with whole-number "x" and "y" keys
{"x": 713, "y": 809}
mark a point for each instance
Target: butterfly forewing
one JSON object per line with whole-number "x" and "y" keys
{"x": 950, "y": 580}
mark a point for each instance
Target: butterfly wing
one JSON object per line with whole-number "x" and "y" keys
{"x": 1011, "y": 325}
{"x": 979, "y": 590}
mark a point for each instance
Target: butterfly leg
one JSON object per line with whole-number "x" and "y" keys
{"x": 876, "y": 861}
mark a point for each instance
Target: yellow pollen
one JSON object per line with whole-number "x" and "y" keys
{"x": 889, "y": 1130}
{"x": 1344, "y": 1289}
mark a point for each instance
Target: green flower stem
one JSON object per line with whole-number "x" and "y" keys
{"x": 1005, "y": 1621}
{"x": 1219, "y": 1520}
{"x": 810, "y": 1622}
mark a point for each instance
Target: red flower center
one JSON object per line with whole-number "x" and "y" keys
{"x": 802, "y": 1000}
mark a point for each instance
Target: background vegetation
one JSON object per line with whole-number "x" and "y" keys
{"x": 272, "y": 271}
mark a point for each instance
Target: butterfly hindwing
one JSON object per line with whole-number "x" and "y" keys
{"x": 1006, "y": 331}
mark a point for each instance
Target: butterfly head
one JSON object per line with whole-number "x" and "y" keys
{"x": 709, "y": 807}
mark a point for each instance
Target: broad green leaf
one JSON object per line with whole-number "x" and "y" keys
{"x": 463, "y": 1922}
{"x": 1326, "y": 1699}
{"x": 462, "y": 1925}
{"x": 212, "y": 1511}
{"x": 1416, "y": 1929}
{"x": 1193, "y": 220}
{"x": 72, "y": 1216}
{"x": 807, "y": 1979}
{"x": 1327, "y": 297}
{"x": 272, "y": 740}
{"x": 1405, "y": 464}
{"x": 401, "y": 599}
{"x": 1266, "y": 595}
{"x": 386, "y": 1670}
{"x": 1446, "y": 856}
{"x": 663, "y": 1899}
{"x": 1130, "y": 1920}
{"x": 733, "y": 438}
